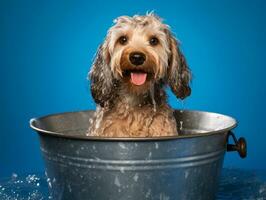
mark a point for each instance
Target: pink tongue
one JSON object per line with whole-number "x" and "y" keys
{"x": 138, "y": 78}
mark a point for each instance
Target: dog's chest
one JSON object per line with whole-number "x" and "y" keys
{"x": 138, "y": 122}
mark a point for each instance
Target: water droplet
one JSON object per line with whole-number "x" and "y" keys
{"x": 181, "y": 125}
{"x": 117, "y": 183}
{"x": 152, "y": 97}
{"x": 136, "y": 177}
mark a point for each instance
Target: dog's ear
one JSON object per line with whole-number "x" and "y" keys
{"x": 179, "y": 75}
{"x": 101, "y": 78}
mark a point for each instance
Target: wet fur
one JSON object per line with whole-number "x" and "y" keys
{"x": 126, "y": 110}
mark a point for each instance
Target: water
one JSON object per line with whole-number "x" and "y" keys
{"x": 25, "y": 187}
{"x": 181, "y": 110}
{"x": 95, "y": 122}
{"x": 235, "y": 184}
{"x": 152, "y": 98}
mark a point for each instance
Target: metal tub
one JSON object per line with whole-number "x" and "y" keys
{"x": 185, "y": 167}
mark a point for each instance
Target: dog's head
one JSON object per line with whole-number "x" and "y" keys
{"x": 138, "y": 51}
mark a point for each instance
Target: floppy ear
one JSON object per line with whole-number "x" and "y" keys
{"x": 179, "y": 75}
{"x": 101, "y": 78}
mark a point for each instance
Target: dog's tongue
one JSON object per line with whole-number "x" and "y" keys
{"x": 138, "y": 78}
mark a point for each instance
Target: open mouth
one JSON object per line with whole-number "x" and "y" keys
{"x": 137, "y": 77}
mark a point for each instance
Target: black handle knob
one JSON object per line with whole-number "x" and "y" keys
{"x": 240, "y": 145}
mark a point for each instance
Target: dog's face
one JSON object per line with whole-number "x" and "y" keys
{"x": 138, "y": 52}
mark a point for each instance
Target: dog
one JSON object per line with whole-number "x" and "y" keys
{"x": 132, "y": 67}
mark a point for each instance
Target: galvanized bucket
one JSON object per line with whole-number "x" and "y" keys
{"x": 183, "y": 167}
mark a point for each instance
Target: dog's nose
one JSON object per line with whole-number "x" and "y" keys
{"x": 137, "y": 58}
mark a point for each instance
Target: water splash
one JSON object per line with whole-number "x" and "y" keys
{"x": 99, "y": 117}
{"x": 182, "y": 105}
{"x": 152, "y": 97}
{"x": 95, "y": 121}
{"x": 239, "y": 184}
{"x": 29, "y": 187}
{"x": 235, "y": 184}
{"x": 181, "y": 125}
{"x": 181, "y": 122}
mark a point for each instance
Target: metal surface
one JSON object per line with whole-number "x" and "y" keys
{"x": 240, "y": 145}
{"x": 183, "y": 167}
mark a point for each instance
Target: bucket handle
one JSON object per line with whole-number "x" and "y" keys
{"x": 240, "y": 145}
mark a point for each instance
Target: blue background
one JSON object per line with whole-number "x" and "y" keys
{"x": 47, "y": 48}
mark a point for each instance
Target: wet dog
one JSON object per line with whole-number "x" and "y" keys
{"x": 137, "y": 60}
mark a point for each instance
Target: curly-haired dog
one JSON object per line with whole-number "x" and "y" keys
{"x": 137, "y": 59}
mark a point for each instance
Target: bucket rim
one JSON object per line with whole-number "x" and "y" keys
{"x": 128, "y": 139}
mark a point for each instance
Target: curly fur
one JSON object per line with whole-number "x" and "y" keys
{"x": 127, "y": 110}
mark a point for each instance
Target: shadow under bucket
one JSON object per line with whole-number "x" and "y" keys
{"x": 185, "y": 167}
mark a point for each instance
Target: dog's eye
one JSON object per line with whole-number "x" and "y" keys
{"x": 154, "y": 41}
{"x": 123, "y": 40}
